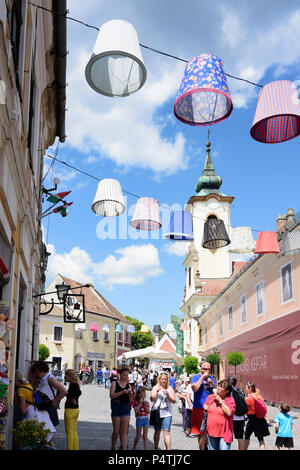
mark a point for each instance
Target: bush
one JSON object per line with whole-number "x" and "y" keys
{"x": 30, "y": 433}
{"x": 191, "y": 365}
{"x": 44, "y": 352}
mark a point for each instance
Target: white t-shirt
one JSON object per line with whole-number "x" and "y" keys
{"x": 190, "y": 391}
{"x": 162, "y": 402}
{"x": 45, "y": 387}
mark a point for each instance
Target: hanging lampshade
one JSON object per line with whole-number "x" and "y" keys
{"x": 109, "y": 201}
{"x": 119, "y": 328}
{"x": 181, "y": 226}
{"x": 116, "y": 67}
{"x": 146, "y": 215}
{"x": 170, "y": 328}
{"x": 277, "y": 116}
{"x": 94, "y": 326}
{"x": 214, "y": 235}
{"x": 130, "y": 329}
{"x": 184, "y": 326}
{"x": 266, "y": 243}
{"x": 145, "y": 329}
{"x": 80, "y": 326}
{"x": 203, "y": 98}
{"x": 106, "y": 327}
{"x": 242, "y": 240}
{"x": 290, "y": 243}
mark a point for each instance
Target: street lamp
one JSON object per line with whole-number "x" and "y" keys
{"x": 62, "y": 289}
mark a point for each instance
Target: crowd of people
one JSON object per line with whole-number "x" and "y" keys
{"x": 214, "y": 413}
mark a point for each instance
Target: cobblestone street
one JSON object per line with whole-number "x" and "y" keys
{"x": 95, "y": 428}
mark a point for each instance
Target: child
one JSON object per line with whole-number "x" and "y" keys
{"x": 283, "y": 428}
{"x": 142, "y": 410}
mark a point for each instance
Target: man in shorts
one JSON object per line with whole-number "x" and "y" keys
{"x": 202, "y": 386}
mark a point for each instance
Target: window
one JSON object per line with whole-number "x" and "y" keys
{"x": 58, "y": 334}
{"x": 190, "y": 277}
{"x": 260, "y": 298}
{"x": 243, "y": 310}
{"x": 286, "y": 283}
{"x": 120, "y": 338}
{"x": 95, "y": 336}
{"x": 206, "y": 334}
{"x": 127, "y": 337}
{"x": 15, "y": 35}
{"x": 212, "y": 330}
{"x": 220, "y": 325}
{"x": 106, "y": 337}
{"x": 200, "y": 336}
{"x": 230, "y": 318}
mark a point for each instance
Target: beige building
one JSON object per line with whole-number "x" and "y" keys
{"x": 73, "y": 345}
{"x": 32, "y": 115}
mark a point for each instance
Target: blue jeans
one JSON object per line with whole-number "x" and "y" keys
{"x": 217, "y": 443}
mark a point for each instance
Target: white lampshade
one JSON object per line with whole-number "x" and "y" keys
{"x": 146, "y": 215}
{"x": 242, "y": 240}
{"x": 116, "y": 67}
{"x": 106, "y": 327}
{"x": 109, "y": 200}
{"x": 80, "y": 326}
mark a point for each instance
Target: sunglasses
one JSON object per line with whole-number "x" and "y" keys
{"x": 205, "y": 368}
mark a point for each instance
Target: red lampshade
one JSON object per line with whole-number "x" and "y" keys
{"x": 266, "y": 243}
{"x": 94, "y": 327}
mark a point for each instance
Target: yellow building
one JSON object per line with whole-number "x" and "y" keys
{"x": 72, "y": 345}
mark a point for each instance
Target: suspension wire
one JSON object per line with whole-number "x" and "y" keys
{"x": 123, "y": 190}
{"x": 142, "y": 45}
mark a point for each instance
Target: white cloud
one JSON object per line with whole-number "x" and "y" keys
{"x": 177, "y": 248}
{"x": 131, "y": 265}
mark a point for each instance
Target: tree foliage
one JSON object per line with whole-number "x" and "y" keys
{"x": 44, "y": 352}
{"x": 235, "y": 358}
{"x": 139, "y": 340}
{"x": 213, "y": 359}
{"x": 191, "y": 364}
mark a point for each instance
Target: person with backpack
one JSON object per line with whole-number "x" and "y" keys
{"x": 28, "y": 406}
{"x": 257, "y": 412}
{"x": 241, "y": 409}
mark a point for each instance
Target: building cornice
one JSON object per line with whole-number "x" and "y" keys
{"x": 194, "y": 199}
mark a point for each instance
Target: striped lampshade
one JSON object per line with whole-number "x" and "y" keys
{"x": 109, "y": 201}
{"x": 290, "y": 243}
{"x": 203, "y": 98}
{"x": 184, "y": 326}
{"x": 277, "y": 116}
{"x": 146, "y": 215}
{"x": 181, "y": 226}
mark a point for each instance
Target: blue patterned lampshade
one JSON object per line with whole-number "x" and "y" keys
{"x": 181, "y": 226}
{"x": 203, "y": 98}
{"x": 119, "y": 328}
{"x": 131, "y": 329}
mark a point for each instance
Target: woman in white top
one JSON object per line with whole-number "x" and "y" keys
{"x": 163, "y": 396}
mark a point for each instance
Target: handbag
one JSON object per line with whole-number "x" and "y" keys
{"x": 155, "y": 415}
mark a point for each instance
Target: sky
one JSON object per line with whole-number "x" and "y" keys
{"x": 138, "y": 141}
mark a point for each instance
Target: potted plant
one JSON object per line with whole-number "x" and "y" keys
{"x": 31, "y": 435}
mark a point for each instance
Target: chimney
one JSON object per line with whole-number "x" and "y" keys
{"x": 284, "y": 222}
{"x": 280, "y": 223}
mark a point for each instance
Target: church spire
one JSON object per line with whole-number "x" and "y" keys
{"x": 209, "y": 182}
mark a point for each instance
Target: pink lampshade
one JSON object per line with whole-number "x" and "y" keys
{"x": 146, "y": 215}
{"x": 266, "y": 243}
{"x": 277, "y": 116}
{"x": 184, "y": 326}
{"x": 94, "y": 327}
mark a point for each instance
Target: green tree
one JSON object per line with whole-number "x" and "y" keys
{"x": 235, "y": 358}
{"x": 191, "y": 364}
{"x": 44, "y": 352}
{"x": 139, "y": 340}
{"x": 214, "y": 360}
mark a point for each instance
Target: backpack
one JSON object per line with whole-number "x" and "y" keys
{"x": 241, "y": 407}
{"x": 260, "y": 408}
{"x": 40, "y": 399}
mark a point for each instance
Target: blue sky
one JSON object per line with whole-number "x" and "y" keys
{"x": 138, "y": 141}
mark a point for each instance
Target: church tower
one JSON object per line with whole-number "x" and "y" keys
{"x": 207, "y": 271}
